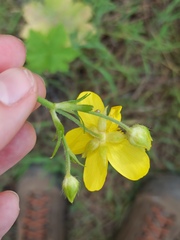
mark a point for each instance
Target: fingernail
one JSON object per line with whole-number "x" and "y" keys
{"x": 15, "y": 194}
{"x": 15, "y": 84}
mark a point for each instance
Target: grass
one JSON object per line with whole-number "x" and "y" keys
{"x": 133, "y": 61}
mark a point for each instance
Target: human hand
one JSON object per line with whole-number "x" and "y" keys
{"x": 19, "y": 89}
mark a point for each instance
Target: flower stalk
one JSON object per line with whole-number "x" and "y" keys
{"x": 44, "y": 102}
{"x": 121, "y": 124}
{"x": 72, "y": 108}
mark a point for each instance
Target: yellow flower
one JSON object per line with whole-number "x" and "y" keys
{"x": 107, "y": 144}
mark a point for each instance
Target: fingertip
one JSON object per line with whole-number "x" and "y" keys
{"x": 13, "y": 51}
{"x": 41, "y": 89}
{"x": 22, "y": 143}
{"x": 18, "y": 97}
{"x": 9, "y": 209}
{"x": 41, "y": 86}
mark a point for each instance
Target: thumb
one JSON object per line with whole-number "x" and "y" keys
{"x": 18, "y": 96}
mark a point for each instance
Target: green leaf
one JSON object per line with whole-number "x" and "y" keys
{"x": 50, "y": 52}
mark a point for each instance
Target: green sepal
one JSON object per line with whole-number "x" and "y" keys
{"x": 81, "y": 98}
{"x": 75, "y": 159}
{"x": 77, "y": 121}
{"x": 72, "y": 106}
{"x": 59, "y": 131}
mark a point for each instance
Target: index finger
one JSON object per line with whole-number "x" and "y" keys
{"x": 12, "y": 52}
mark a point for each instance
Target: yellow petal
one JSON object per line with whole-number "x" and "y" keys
{"x": 77, "y": 140}
{"x": 94, "y": 100}
{"x": 130, "y": 161}
{"x": 114, "y": 113}
{"x": 95, "y": 171}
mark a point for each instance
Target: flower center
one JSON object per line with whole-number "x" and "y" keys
{"x": 102, "y": 137}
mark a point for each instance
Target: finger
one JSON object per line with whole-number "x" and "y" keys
{"x": 18, "y": 97}
{"x": 12, "y": 52}
{"x": 19, "y": 146}
{"x": 9, "y": 209}
{"x": 41, "y": 88}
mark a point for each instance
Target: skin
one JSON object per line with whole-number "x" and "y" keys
{"x": 17, "y": 136}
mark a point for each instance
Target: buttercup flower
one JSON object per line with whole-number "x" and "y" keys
{"x": 105, "y": 143}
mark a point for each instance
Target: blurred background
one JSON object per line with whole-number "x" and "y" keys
{"x": 127, "y": 51}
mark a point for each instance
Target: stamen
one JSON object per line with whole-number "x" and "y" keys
{"x": 98, "y": 111}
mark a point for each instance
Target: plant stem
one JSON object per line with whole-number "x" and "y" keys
{"x": 67, "y": 156}
{"x": 44, "y": 102}
{"x": 122, "y": 125}
{"x": 50, "y": 105}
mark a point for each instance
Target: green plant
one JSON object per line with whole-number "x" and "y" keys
{"x": 51, "y": 52}
{"x": 54, "y": 32}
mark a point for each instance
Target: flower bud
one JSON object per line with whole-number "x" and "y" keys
{"x": 139, "y": 135}
{"x": 70, "y": 187}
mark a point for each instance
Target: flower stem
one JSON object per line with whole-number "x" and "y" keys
{"x": 53, "y": 106}
{"x": 44, "y": 102}
{"x": 67, "y": 156}
{"x": 122, "y": 125}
